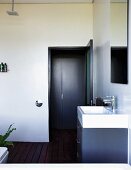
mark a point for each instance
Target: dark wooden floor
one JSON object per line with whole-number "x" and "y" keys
{"x": 62, "y": 149}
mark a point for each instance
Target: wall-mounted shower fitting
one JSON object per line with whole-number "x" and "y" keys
{"x": 12, "y": 12}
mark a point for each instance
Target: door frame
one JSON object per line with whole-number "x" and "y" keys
{"x": 49, "y": 70}
{"x": 90, "y": 45}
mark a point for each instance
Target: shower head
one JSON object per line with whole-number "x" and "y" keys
{"x": 12, "y": 12}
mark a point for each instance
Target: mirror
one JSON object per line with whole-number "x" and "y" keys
{"x": 119, "y": 58}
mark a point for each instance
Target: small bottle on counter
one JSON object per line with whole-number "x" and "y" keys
{"x": 1, "y": 67}
{"x": 5, "y": 67}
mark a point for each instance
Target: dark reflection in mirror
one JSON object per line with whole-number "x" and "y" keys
{"x": 119, "y": 65}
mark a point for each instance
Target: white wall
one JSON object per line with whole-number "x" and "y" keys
{"x": 103, "y": 86}
{"x": 102, "y": 54}
{"x": 101, "y": 38}
{"x": 24, "y": 42}
{"x": 118, "y": 26}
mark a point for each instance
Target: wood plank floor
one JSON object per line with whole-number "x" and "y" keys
{"x": 61, "y": 149}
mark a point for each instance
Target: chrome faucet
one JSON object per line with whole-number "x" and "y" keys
{"x": 110, "y": 103}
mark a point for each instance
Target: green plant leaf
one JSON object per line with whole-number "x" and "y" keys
{"x": 7, "y": 134}
{"x": 3, "y": 138}
{"x": 8, "y": 143}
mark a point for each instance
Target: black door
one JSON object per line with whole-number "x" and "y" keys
{"x": 68, "y": 86}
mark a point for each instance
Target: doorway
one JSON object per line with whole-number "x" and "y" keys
{"x": 69, "y": 72}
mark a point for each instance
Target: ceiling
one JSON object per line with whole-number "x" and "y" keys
{"x": 47, "y": 1}
{"x": 55, "y": 1}
{"x": 118, "y": 0}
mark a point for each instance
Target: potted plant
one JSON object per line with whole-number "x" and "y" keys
{"x": 4, "y": 144}
{"x": 3, "y": 138}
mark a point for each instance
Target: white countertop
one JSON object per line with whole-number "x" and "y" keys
{"x": 107, "y": 120}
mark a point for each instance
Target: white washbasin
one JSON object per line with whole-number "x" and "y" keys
{"x": 100, "y": 117}
{"x": 95, "y": 110}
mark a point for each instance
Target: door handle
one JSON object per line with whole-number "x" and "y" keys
{"x": 62, "y": 96}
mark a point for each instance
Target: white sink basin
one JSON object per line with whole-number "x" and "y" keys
{"x": 100, "y": 117}
{"x": 94, "y": 110}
